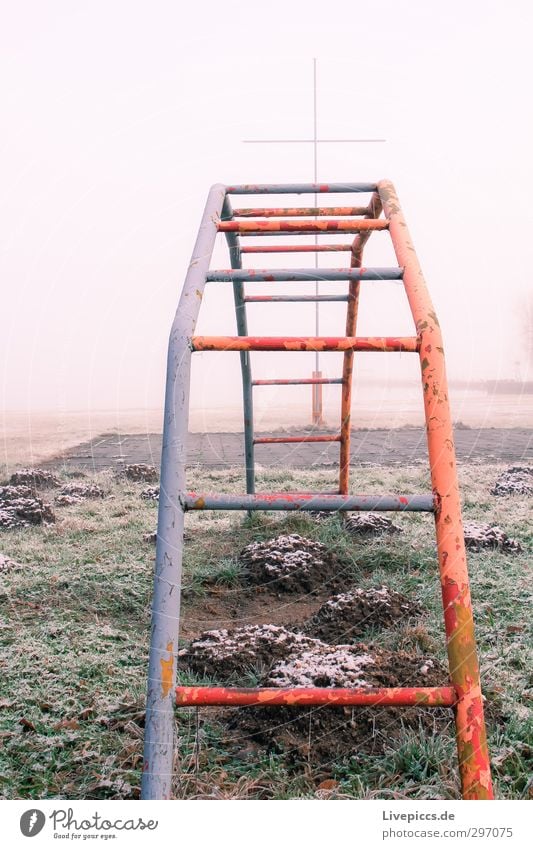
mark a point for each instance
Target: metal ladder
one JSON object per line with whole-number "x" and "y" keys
{"x": 382, "y": 212}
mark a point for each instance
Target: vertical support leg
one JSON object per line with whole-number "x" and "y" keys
{"x": 317, "y": 417}
{"x": 159, "y": 726}
{"x": 346, "y": 396}
{"x": 247, "y": 392}
{"x": 246, "y": 370}
{"x": 474, "y": 763}
{"x": 374, "y": 211}
{"x": 160, "y": 699}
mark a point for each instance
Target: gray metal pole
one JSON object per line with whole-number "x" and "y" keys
{"x": 315, "y": 180}
{"x": 159, "y": 727}
{"x": 246, "y": 366}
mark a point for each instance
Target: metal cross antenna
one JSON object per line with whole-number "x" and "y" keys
{"x": 315, "y": 141}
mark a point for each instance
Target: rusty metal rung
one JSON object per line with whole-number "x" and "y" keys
{"x": 313, "y": 381}
{"x": 301, "y": 696}
{"x": 286, "y": 227}
{"x": 287, "y": 249}
{"x": 299, "y": 188}
{"x": 267, "y": 440}
{"x": 383, "y": 344}
{"x": 299, "y": 211}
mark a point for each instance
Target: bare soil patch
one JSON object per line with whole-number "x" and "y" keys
{"x": 324, "y": 735}
{"x": 314, "y": 656}
{"x": 348, "y": 615}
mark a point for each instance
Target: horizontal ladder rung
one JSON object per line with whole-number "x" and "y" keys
{"x": 297, "y": 696}
{"x": 285, "y": 226}
{"x": 287, "y": 249}
{"x": 267, "y": 440}
{"x": 299, "y": 211}
{"x": 311, "y": 501}
{"x": 265, "y": 299}
{"x": 305, "y": 343}
{"x": 297, "y": 381}
{"x": 306, "y": 275}
{"x": 299, "y": 188}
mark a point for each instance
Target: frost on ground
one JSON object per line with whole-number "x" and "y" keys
{"x": 516, "y": 480}
{"x": 370, "y": 524}
{"x": 75, "y": 493}
{"x": 151, "y": 493}
{"x": 324, "y": 665}
{"x": 348, "y": 615}
{"x": 286, "y": 658}
{"x": 8, "y": 565}
{"x": 223, "y": 653}
{"x": 34, "y": 478}
{"x": 291, "y": 563}
{"x": 20, "y": 506}
{"x": 321, "y": 666}
{"x": 321, "y": 735}
{"x": 140, "y": 472}
{"x": 479, "y": 536}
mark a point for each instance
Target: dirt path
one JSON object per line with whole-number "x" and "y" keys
{"x": 224, "y": 450}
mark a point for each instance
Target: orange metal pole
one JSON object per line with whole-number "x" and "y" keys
{"x": 474, "y": 763}
{"x": 374, "y": 211}
{"x": 335, "y": 225}
{"x": 297, "y": 696}
{"x": 298, "y": 211}
{"x": 304, "y": 343}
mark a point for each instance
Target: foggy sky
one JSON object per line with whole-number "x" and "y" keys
{"x": 118, "y": 116}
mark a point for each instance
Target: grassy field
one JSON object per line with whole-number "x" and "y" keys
{"x": 74, "y": 636}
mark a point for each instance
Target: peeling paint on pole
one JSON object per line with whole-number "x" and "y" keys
{"x": 462, "y": 654}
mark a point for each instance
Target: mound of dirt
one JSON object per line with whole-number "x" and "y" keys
{"x": 321, "y": 665}
{"x": 348, "y": 615}
{"x": 479, "y": 536}
{"x": 516, "y": 480}
{"x": 281, "y": 657}
{"x": 223, "y": 654}
{"x": 370, "y": 524}
{"x": 140, "y": 472}
{"x": 359, "y": 665}
{"x": 320, "y": 736}
{"x": 292, "y": 563}
{"x": 8, "y": 565}
{"x": 150, "y": 537}
{"x": 75, "y": 493}
{"x": 20, "y": 506}
{"x": 35, "y": 478}
{"x": 151, "y": 493}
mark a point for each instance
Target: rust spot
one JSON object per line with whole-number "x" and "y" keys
{"x": 167, "y": 669}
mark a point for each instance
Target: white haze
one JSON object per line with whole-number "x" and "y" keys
{"x": 118, "y": 116}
